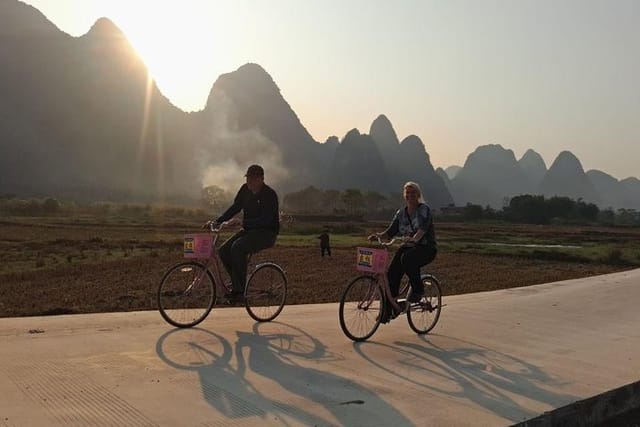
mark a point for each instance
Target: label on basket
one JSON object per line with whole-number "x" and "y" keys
{"x": 198, "y": 245}
{"x": 372, "y": 260}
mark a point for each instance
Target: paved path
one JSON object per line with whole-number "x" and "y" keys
{"x": 494, "y": 359}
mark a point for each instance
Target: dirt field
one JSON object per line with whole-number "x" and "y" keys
{"x": 130, "y": 283}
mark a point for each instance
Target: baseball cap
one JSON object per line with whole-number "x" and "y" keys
{"x": 255, "y": 170}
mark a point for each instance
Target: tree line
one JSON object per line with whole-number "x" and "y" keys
{"x": 349, "y": 203}
{"x": 536, "y": 209}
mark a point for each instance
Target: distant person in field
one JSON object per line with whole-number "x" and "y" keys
{"x": 260, "y": 227}
{"x": 325, "y": 245}
{"x": 415, "y": 222}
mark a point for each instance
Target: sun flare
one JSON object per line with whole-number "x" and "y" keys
{"x": 179, "y": 43}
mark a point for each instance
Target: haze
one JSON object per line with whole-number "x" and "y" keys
{"x": 546, "y": 75}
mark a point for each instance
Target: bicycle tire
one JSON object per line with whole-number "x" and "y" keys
{"x": 266, "y": 292}
{"x": 182, "y": 301}
{"x": 360, "y": 309}
{"x": 423, "y": 315}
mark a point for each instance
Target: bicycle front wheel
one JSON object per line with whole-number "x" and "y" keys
{"x": 186, "y": 294}
{"x": 423, "y": 315}
{"x": 266, "y": 292}
{"x": 361, "y": 308}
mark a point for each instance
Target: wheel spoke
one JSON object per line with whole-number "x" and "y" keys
{"x": 360, "y": 308}
{"x": 266, "y": 293}
{"x": 186, "y": 295}
{"x": 423, "y": 315}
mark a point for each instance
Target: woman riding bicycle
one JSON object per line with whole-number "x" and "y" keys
{"x": 415, "y": 222}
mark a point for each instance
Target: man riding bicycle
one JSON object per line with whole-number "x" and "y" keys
{"x": 260, "y": 227}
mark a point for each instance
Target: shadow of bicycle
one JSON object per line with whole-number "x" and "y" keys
{"x": 264, "y": 379}
{"x": 503, "y": 384}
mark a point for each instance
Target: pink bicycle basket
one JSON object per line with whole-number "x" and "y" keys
{"x": 198, "y": 245}
{"x": 372, "y": 260}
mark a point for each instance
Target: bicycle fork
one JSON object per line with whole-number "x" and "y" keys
{"x": 369, "y": 297}
{"x": 196, "y": 280}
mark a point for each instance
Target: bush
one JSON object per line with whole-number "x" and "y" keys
{"x": 614, "y": 256}
{"x": 50, "y": 205}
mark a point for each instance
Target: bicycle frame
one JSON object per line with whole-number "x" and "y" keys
{"x": 212, "y": 264}
{"x": 377, "y": 276}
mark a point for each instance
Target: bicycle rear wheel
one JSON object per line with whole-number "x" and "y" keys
{"x": 186, "y": 294}
{"x": 266, "y": 292}
{"x": 423, "y": 315}
{"x": 361, "y": 308}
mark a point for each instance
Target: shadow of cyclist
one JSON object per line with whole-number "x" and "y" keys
{"x": 491, "y": 379}
{"x": 209, "y": 356}
{"x": 276, "y": 350}
{"x": 229, "y": 391}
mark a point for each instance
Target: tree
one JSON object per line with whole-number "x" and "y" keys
{"x": 331, "y": 201}
{"x": 353, "y": 200}
{"x": 607, "y": 216}
{"x": 587, "y": 211}
{"x": 373, "y": 200}
{"x": 561, "y": 207}
{"x": 50, "y": 205}
{"x": 214, "y": 198}
{"x": 528, "y": 209}
{"x": 309, "y": 199}
{"x": 472, "y": 212}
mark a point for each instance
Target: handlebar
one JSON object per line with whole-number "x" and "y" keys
{"x": 211, "y": 226}
{"x": 402, "y": 240}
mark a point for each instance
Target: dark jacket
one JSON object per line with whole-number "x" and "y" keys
{"x": 324, "y": 240}
{"x": 260, "y": 210}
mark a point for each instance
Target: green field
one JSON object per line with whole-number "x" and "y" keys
{"x": 94, "y": 263}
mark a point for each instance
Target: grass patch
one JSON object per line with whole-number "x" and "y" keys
{"x": 82, "y": 265}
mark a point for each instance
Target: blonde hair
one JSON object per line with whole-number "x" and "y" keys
{"x": 416, "y": 187}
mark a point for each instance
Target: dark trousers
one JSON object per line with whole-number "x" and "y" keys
{"x": 325, "y": 248}
{"x": 408, "y": 260}
{"x": 235, "y": 251}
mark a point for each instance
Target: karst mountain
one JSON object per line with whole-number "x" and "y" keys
{"x": 80, "y": 118}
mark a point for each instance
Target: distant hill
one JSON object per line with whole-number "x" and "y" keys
{"x": 631, "y": 188}
{"x": 490, "y": 174}
{"x": 566, "y": 177}
{"x": 357, "y": 164}
{"x": 533, "y": 167}
{"x": 78, "y": 118}
{"x": 445, "y": 178}
{"x": 609, "y": 190}
{"x": 406, "y": 161}
{"x": 81, "y": 119}
{"x": 452, "y": 171}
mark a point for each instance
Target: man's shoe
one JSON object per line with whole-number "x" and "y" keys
{"x": 414, "y": 298}
{"x": 385, "y": 316}
{"x": 403, "y": 309}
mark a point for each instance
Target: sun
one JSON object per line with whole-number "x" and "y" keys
{"x": 180, "y": 42}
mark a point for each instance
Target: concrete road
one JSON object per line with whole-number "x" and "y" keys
{"x": 494, "y": 359}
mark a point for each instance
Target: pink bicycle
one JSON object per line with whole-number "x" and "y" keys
{"x": 188, "y": 290}
{"x": 368, "y": 297}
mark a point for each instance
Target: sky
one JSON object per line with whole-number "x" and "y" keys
{"x": 550, "y": 75}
